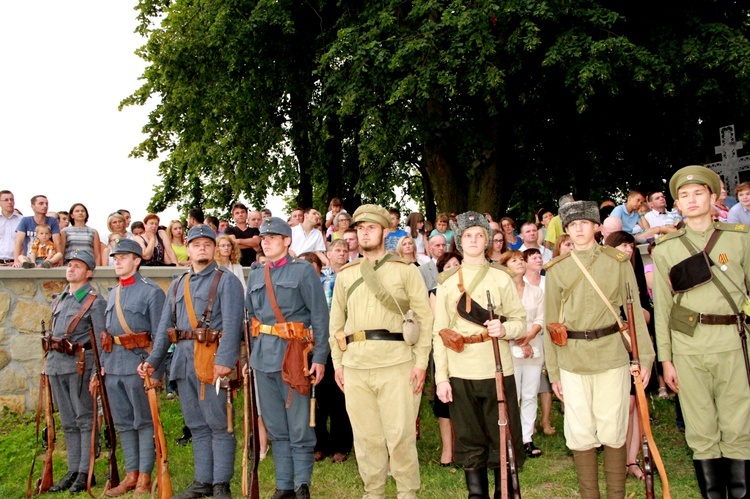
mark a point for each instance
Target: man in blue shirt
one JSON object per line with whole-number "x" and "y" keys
{"x": 740, "y": 213}
{"x": 391, "y": 240}
{"x": 26, "y": 230}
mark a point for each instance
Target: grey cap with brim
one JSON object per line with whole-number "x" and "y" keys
{"x": 84, "y": 256}
{"x": 201, "y": 230}
{"x": 123, "y": 246}
{"x": 275, "y": 226}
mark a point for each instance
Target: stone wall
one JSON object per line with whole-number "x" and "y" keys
{"x": 25, "y": 298}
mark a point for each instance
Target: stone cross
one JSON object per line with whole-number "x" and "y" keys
{"x": 731, "y": 165}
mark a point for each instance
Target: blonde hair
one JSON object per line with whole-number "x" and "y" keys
{"x": 400, "y": 245}
{"x": 234, "y": 256}
{"x": 169, "y": 231}
{"x": 117, "y": 216}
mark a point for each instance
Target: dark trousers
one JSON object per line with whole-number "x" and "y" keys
{"x": 475, "y": 421}
{"x": 332, "y": 405}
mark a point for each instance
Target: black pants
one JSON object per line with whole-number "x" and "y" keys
{"x": 332, "y": 405}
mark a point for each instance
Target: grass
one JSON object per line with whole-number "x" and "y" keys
{"x": 550, "y": 476}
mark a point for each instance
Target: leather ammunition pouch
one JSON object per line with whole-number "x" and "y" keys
{"x": 340, "y": 340}
{"x": 692, "y": 272}
{"x": 456, "y": 341}
{"x": 127, "y": 341}
{"x": 106, "y": 340}
{"x": 558, "y": 333}
{"x": 64, "y": 345}
{"x": 173, "y": 334}
{"x": 284, "y": 330}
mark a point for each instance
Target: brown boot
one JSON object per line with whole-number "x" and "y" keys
{"x": 144, "y": 484}
{"x": 587, "y": 467}
{"x": 615, "y": 471}
{"x": 125, "y": 486}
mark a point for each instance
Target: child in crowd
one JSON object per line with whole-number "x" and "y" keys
{"x": 43, "y": 253}
{"x": 740, "y": 213}
{"x": 441, "y": 227}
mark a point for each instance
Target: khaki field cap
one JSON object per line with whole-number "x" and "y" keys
{"x": 695, "y": 174}
{"x": 372, "y": 213}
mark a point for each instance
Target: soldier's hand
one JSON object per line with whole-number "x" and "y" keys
{"x": 444, "y": 392}
{"x": 338, "y": 375}
{"x": 495, "y": 328}
{"x": 317, "y": 370}
{"x": 221, "y": 371}
{"x": 144, "y": 369}
{"x": 557, "y": 388}
{"x": 670, "y": 375}
{"x": 417, "y": 375}
{"x": 645, "y": 376}
{"x": 93, "y": 386}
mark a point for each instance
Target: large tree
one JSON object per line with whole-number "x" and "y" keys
{"x": 494, "y": 106}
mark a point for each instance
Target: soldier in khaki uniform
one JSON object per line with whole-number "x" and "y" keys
{"x": 590, "y": 373}
{"x": 697, "y": 332}
{"x": 381, "y": 374}
{"x": 466, "y": 379}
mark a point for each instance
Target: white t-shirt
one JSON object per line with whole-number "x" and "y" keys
{"x": 302, "y": 243}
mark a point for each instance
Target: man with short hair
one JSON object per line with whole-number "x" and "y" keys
{"x": 74, "y": 312}
{"x": 247, "y": 237}
{"x": 133, "y": 311}
{"x": 700, "y": 332}
{"x": 26, "y": 229}
{"x": 254, "y": 218}
{"x": 184, "y": 316}
{"x": 659, "y": 215}
{"x": 9, "y": 221}
{"x": 306, "y": 237}
{"x": 530, "y": 236}
{"x": 380, "y": 373}
{"x": 296, "y": 216}
{"x": 350, "y": 236}
{"x": 740, "y": 212}
{"x": 223, "y": 225}
{"x": 633, "y": 222}
{"x": 296, "y": 307}
{"x": 396, "y": 233}
{"x": 611, "y": 224}
{"x": 555, "y": 229}
{"x": 195, "y": 217}
{"x": 436, "y": 246}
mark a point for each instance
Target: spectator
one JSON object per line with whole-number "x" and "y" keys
{"x": 441, "y": 227}
{"x": 228, "y": 256}
{"x": 213, "y": 222}
{"x": 530, "y": 238}
{"x": 26, "y": 229}
{"x": 498, "y": 246}
{"x": 628, "y": 213}
{"x": 508, "y": 226}
{"x": 155, "y": 252}
{"x": 437, "y": 247}
{"x": 223, "y": 225}
{"x": 295, "y": 218}
{"x": 9, "y": 221}
{"x": 265, "y": 213}
{"x": 254, "y": 218}
{"x": 248, "y": 238}
{"x": 137, "y": 228}
{"x": 415, "y": 222}
{"x": 341, "y": 224}
{"x": 334, "y": 208}
{"x": 195, "y": 217}
{"x": 564, "y": 245}
{"x": 720, "y": 210}
{"x": 528, "y": 351}
{"x": 313, "y": 260}
{"x": 533, "y": 259}
{"x": 740, "y": 213}
{"x": 63, "y": 218}
{"x": 125, "y": 213}
{"x": 396, "y": 233}
{"x": 554, "y": 229}
{"x": 176, "y": 238}
{"x": 658, "y": 215}
{"x": 350, "y": 236}
{"x": 79, "y": 236}
{"x": 116, "y": 224}
{"x": 544, "y": 216}
{"x": 107, "y": 260}
{"x": 611, "y": 224}
{"x": 305, "y": 237}
{"x": 43, "y": 253}
{"x": 406, "y": 249}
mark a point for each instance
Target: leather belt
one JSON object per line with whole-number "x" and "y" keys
{"x": 592, "y": 334}
{"x": 719, "y": 320}
{"x": 477, "y": 338}
{"x": 374, "y": 334}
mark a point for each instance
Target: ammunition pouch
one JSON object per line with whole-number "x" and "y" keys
{"x": 206, "y": 335}
{"x": 64, "y": 345}
{"x": 691, "y": 273}
{"x": 456, "y": 341}
{"x": 46, "y": 343}
{"x": 106, "y": 340}
{"x": 683, "y": 319}
{"x": 340, "y": 340}
{"x": 558, "y": 333}
{"x": 173, "y": 334}
{"x": 127, "y": 341}
{"x": 284, "y": 330}
{"x": 206, "y": 345}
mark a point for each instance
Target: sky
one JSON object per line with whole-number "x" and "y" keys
{"x": 66, "y": 67}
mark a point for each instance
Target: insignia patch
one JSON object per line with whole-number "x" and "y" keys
{"x": 739, "y": 227}
{"x": 723, "y": 258}
{"x": 689, "y": 177}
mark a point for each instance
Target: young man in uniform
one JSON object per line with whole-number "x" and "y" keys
{"x": 187, "y": 318}
{"x": 700, "y": 313}
{"x": 296, "y": 302}
{"x": 590, "y": 372}
{"x": 75, "y": 311}
{"x": 384, "y": 374}
{"x": 466, "y": 379}
{"x": 133, "y": 312}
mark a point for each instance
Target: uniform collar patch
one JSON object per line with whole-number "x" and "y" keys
{"x": 129, "y": 281}
{"x": 279, "y": 263}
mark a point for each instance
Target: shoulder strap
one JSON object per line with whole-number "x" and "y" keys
{"x": 359, "y": 281}
{"x": 467, "y": 291}
{"x": 693, "y": 250}
{"x": 381, "y": 294}
{"x": 85, "y": 308}
{"x": 120, "y": 315}
{"x": 206, "y": 317}
{"x": 189, "y": 305}
{"x": 272, "y": 295}
{"x": 596, "y": 288}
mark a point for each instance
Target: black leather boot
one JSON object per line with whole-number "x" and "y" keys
{"x": 477, "y": 483}
{"x": 80, "y": 484}
{"x": 710, "y": 478}
{"x": 736, "y": 477}
{"x": 186, "y": 438}
{"x": 65, "y": 483}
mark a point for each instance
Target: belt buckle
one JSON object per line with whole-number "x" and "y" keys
{"x": 586, "y": 335}
{"x": 700, "y": 317}
{"x": 359, "y": 336}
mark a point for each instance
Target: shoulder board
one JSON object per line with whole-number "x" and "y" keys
{"x": 731, "y": 227}
{"x": 177, "y": 276}
{"x": 615, "y": 253}
{"x": 446, "y": 274}
{"x": 350, "y": 264}
{"x": 671, "y": 235}
{"x": 505, "y": 269}
{"x": 150, "y": 282}
{"x": 556, "y": 260}
{"x": 110, "y": 288}
{"x": 92, "y": 291}
{"x": 398, "y": 259}
{"x": 256, "y": 265}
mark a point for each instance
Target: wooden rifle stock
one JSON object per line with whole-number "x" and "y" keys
{"x": 113, "y": 476}
{"x": 507, "y": 451}
{"x": 649, "y": 450}
{"x": 46, "y": 480}
{"x": 250, "y": 485}
{"x": 163, "y": 480}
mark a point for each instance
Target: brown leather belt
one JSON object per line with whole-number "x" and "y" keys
{"x": 477, "y": 338}
{"x": 374, "y": 334}
{"x": 718, "y": 320}
{"x": 63, "y": 345}
{"x": 592, "y": 334}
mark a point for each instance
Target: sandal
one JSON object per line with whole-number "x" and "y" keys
{"x": 663, "y": 393}
{"x": 532, "y": 451}
{"x": 638, "y": 473}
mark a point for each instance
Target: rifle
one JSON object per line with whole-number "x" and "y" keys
{"x": 164, "y": 482}
{"x": 250, "y": 485}
{"x": 507, "y": 452}
{"x": 112, "y": 473}
{"x": 48, "y": 433}
{"x": 648, "y": 446}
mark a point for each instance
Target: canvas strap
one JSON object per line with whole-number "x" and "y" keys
{"x": 381, "y": 294}
{"x": 467, "y": 291}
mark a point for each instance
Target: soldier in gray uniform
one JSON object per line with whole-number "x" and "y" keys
{"x": 133, "y": 312}
{"x": 204, "y": 411}
{"x": 302, "y": 302}
{"x": 70, "y": 362}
